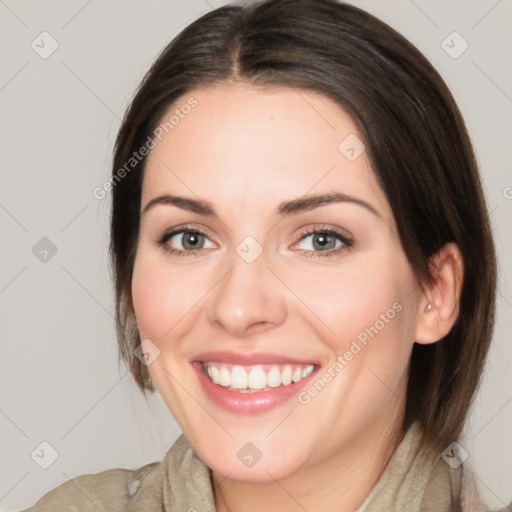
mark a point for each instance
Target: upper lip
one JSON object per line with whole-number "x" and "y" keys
{"x": 249, "y": 359}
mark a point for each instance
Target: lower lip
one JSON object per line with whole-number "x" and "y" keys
{"x": 248, "y": 403}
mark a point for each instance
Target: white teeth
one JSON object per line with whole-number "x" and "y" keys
{"x": 297, "y": 375}
{"x": 255, "y": 379}
{"x": 274, "y": 377}
{"x": 214, "y": 374}
{"x": 238, "y": 378}
{"x": 286, "y": 376}
{"x": 225, "y": 377}
{"x": 307, "y": 371}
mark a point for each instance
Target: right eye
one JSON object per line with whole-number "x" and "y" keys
{"x": 185, "y": 242}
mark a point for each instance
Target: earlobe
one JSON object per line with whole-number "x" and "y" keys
{"x": 439, "y": 308}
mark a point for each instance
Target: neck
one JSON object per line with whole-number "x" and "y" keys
{"x": 339, "y": 484}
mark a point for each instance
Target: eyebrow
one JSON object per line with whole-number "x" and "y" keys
{"x": 294, "y": 206}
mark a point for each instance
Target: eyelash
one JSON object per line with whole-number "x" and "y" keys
{"x": 346, "y": 241}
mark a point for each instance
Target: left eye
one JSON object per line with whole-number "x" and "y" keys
{"x": 321, "y": 241}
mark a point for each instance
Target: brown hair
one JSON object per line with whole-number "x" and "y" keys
{"x": 417, "y": 143}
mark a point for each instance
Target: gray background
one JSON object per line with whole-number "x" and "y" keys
{"x": 60, "y": 382}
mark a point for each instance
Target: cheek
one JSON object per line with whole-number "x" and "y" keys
{"x": 370, "y": 319}
{"x": 374, "y": 333}
{"x": 356, "y": 299}
{"x": 162, "y": 298}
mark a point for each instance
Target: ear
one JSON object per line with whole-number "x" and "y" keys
{"x": 439, "y": 306}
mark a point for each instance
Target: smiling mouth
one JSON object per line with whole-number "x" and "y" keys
{"x": 255, "y": 378}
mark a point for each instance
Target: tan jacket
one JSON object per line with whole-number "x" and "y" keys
{"x": 413, "y": 481}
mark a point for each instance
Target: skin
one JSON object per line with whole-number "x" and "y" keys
{"x": 245, "y": 150}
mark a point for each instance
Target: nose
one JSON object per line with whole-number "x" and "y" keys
{"x": 247, "y": 299}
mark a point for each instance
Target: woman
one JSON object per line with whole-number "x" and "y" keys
{"x": 304, "y": 269}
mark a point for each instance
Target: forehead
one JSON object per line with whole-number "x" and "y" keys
{"x": 262, "y": 144}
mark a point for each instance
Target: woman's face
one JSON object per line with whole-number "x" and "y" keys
{"x": 231, "y": 276}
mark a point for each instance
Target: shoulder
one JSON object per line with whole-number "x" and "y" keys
{"x": 111, "y": 490}
{"x": 180, "y": 478}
